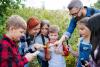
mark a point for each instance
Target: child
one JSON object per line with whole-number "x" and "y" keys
{"x": 27, "y": 42}
{"x": 42, "y": 38}
{"x": 56, "y": 52}
{"x": 9, "y": 55}
{"x": 94, "y": 25}
{"x": 84, "y": 47}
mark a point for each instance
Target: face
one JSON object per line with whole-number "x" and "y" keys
{"x": 53, "y": 36}
{"x": 76, "y": 12}
{"x": 34, "y": 30}
{"x": 44, "y": 30}
{"x": 17, "y": 33}
{"x": 83, "y": 30}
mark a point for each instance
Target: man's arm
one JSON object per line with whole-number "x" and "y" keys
{"x": 69, "y": 31}
{"x": 71, "y": 27}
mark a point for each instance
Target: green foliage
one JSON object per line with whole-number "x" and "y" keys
{"x": 97, "y": 5}
{"x": 57, "y": 17}
{"x": 7, "y": 7}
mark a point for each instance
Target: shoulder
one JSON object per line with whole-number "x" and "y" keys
{"x": 38, "y": 36}
{"x": 73, "y": 19}
{"x": 93, "y": 9}
{"x": 4, "y": 45}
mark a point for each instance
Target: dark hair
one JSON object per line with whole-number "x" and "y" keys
{"x": 45, "y": 22}
{"x": 94, "y": 23}
{"x": 75, "y": 3}
{"x": 84, "y": 21}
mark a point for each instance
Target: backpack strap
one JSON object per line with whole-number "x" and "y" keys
{"x": 43, "y": 40}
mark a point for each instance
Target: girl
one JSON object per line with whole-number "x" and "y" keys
{"x": 42, "y": 38}
{"x": 84, "y": 46}
{"x": 27, "y": 41}
{"x": 94, "y": 24}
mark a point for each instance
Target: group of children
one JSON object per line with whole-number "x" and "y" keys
{"x": 41, "y": 36}
{"x": 21, "y": 41}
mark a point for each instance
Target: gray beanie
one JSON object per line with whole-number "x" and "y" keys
{"x": 75, "y": 3}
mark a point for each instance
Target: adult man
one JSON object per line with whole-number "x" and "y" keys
{"x": 77, "y": 11}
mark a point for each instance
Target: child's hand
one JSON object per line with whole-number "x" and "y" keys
{"x": 38, "y": 46}
{"x": 56, "y": 43}
{"x": 58, "y": 52}
{"x": 86, "y": 64}
{"x": 70, "y": 47}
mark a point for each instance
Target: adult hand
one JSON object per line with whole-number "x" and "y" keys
{"x": 61, "y": 40}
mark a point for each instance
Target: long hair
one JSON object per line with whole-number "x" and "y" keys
{"x": 84, "y": 21}
{"x": 94, "y": 24}
{"x": 45, "y": 22}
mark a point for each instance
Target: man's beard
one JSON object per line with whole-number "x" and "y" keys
{"x": 80, "y": 17}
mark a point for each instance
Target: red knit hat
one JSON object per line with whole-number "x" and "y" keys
{"x": 32, "y": 22}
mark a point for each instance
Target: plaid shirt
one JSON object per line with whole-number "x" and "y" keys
{"x": 9, "y": 55}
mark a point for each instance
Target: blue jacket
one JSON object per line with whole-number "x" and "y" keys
{"x": 73, "y": 22}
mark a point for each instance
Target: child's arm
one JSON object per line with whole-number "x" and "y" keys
{"x": 64, "y": 51}
{"x": 74, "y": 53}
{"x": 59, "y": 52}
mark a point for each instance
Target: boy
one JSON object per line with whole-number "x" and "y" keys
{"x": 56, "y": 58}
{"x": 9, "y": 55}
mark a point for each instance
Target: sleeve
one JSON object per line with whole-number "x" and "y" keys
{"x": 22, "y": 61}
{"x": 4, "y": 55}
{"x": 71, "y": 27}
{"x": 97, "y": 11}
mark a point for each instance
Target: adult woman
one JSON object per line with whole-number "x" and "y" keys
{"x": 27, "y": 42}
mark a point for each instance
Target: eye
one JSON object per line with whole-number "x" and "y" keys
{"x": 22, "y": 31}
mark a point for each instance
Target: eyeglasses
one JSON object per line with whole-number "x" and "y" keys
{"x": 75, "y": 14}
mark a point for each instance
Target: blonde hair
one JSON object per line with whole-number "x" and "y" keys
{"x": 54, "y": 28}
{"x": 16, "y": 21}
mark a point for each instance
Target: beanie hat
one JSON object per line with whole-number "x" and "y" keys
{"x": 32, "y": 22}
